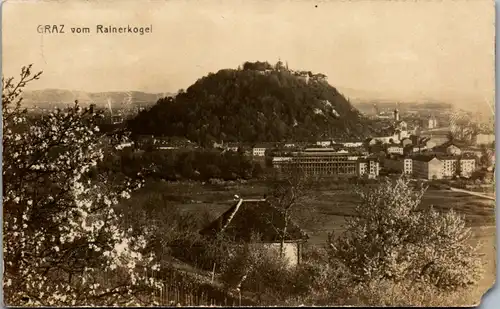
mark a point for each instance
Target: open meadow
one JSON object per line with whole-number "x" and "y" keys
{"x": 326, "y": 208}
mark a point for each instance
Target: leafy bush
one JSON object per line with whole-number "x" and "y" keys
{"x": 253, "y": 268}
{"x": 314, "y": 280}
{"x": 274, "y": 281}
{"x": 203, "y": 253}
{"x": 198, "y": 164}
{"x": 159, "y": 221}
{"x": 403, "y": 294}
{"x": 390, "y": 239}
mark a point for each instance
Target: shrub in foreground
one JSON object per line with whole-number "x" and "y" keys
{"x": 390, "y": 238}
{"x": 403, "y": 294}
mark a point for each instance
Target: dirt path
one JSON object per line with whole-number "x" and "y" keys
{"x": 489, "y": 197}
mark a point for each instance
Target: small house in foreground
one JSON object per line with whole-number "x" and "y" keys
{"x": 258, "y": 217}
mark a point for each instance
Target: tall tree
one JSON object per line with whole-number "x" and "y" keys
{"x": 458, "y": 169}
{"x": 486, "y": 157}
{"x": 289, "y": 191}
{"x": 63, "y": 245}
{"x": 390, "y": 238}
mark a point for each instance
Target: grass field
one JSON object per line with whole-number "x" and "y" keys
{"x": 328, "y": 207}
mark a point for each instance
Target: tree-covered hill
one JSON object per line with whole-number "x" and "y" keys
{"x": 256, "y": 103}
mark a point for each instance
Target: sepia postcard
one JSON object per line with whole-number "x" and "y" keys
{"x": 248, "y": 153}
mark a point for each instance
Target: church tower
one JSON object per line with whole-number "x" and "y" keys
{"x": 396, "y": 115}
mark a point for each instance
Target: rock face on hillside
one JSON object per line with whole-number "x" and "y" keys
{"x": 256, "y": 103}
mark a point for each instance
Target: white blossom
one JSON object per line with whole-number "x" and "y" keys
{"x": 80, "y": 207}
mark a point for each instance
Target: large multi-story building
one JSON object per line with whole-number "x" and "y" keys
{"x": 395, "y": 149}
{"x": 350, "y": 144}
{"x": 427, "y": 167}
{"x": 259, "y": 150}
{"x": 443, "y": 166}
{"x": 408, "y": 166}
{"x": 457, "y": 166}
{"x": 449, "y": 167}
{"x": 467, "y": 166}
{"x": 369, "y": 167}
{"x": 327, "y": 163}
{"x": 324, "y": 143}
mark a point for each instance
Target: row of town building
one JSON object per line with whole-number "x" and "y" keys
{"x": 328, "y": 162}
{"x": 352, "y": 158}
{"x": 444, "y": 161}
{"x": 404, "y": 152}
{"x": 262, "y": 149}
{"x": 431, "y": 166}
{"x": 255, "y": 150}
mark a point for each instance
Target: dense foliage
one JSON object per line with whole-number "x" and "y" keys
{"x": 199, "y": 164}
{"x": 63, "y": 244}
{"x": 391, "y": 239}
{"x": 273, "y": 281}
{"x": 255, "y": 104}
{"x": 391, "y": 253}
{"x": 486, "y": 159}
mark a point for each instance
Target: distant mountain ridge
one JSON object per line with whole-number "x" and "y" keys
{"x": 48, "y": 98}
{"x": 363, "y": 97}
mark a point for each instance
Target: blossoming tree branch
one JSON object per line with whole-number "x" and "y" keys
{"x": 63, "y": 242}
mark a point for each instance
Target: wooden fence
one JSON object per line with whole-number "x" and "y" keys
{"x": 174, "y": 295}
{"x": 177, "y": 291}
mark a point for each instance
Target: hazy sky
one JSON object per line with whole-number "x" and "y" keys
{"x": 405, "y": 50}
